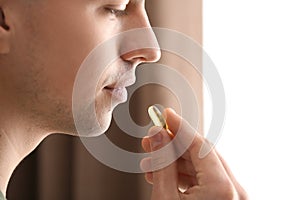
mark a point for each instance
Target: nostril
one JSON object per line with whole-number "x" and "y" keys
{"x": 143, "y": 55}
{"x": 2, "y": 20}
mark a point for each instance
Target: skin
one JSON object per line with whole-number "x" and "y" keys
{"x": 42, "y": 45}
{"x": 41, "y": 52}
{"x": 206, "y": 178}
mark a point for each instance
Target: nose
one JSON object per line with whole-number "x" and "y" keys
{"x": 140, "y": 43}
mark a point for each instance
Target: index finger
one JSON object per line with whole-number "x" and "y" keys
{"x": 209, "y": 169}
{"x": 187, "y": 137}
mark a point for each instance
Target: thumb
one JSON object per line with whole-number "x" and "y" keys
{"x": 165, "y": 184}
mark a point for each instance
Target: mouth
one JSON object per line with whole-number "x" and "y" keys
{"x": 114, "y": 87}
{"x": 117, "y": 90}
{"x": 118, "y": 95}
{"x": 119, "y": 84}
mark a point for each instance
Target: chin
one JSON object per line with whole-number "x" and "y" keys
{"x": 90, "y": 127}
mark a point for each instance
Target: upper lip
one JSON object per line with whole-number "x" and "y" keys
{"x": 125, "y": 82}
{"x": 124, "y": 78}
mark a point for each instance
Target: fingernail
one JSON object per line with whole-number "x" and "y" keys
{"x": 145, "y": 164}
{"x": 156, "y": 140}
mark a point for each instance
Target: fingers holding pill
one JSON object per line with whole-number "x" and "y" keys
{"x": 190, "y": 176}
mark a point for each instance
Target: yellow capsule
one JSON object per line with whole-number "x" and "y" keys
{"x": 156, "y": 117}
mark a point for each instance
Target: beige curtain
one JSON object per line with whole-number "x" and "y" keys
{"x": 62, "y": 169}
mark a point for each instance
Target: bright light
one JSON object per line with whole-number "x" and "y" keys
{"x": 255, "y": 46}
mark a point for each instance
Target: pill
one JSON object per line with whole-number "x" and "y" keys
{"x": 156, "y": 117}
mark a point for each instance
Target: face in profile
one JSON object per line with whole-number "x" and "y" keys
{"x": 47, "y": 41}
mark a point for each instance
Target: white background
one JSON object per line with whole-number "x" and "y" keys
{"x": 255, "y": 46}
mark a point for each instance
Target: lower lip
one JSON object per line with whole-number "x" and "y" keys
{"x": 119, "y": 94}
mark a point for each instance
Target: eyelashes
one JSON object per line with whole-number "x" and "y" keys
{"x": 116, "y": 12}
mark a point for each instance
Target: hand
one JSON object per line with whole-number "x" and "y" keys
{"x": 189, "y": 177}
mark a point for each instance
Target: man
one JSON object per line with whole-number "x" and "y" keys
{"x": 42, "y": 45}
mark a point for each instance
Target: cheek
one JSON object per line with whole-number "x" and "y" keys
{"x": 61, "y": 51}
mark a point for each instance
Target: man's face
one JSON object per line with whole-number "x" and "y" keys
{"x": 49, "y": 39}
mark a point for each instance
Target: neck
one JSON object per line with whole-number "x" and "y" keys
{"x": 15, "y": 144}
